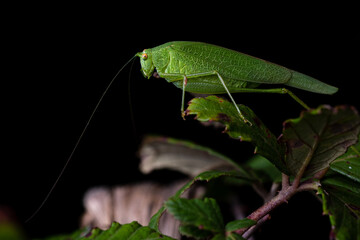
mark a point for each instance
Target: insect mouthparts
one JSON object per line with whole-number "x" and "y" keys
{"x": 156, "y": 75}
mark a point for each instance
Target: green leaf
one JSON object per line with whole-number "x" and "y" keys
{"x": 349, "y": 163}
{"x": 264, "y": 170}
{"x": 205, "y": 176}
{"x": 217, "y": 109}
{"x": 238, "y": 224}
{"x": 195, "y": 232}
{"x": 219, "y": 236}
{"x": 341, "y": 201}
{"x": 204, "y": 214}
{"x": 155, "y": 219}
{"x": 234, "y": 236}
{"x": 131, "y": 231}
{"x": 208, "y": 176}
{"x": 318, "y": 137}
{"x": 10, "y": 230}
{"x": 344, "y": 189}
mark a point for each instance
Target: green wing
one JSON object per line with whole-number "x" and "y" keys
{"x": 196, "y": 57}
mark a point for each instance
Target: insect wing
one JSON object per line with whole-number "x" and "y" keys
{"x": 203, "y": 57}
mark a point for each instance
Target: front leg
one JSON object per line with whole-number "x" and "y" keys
{"x": 177, "y": 77}
{"x": 183, "y": 97}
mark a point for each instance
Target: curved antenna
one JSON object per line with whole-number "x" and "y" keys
{"x": 132, "y": 118}
{"x": 79, "y": 139}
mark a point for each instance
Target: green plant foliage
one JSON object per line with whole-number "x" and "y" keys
{"x": 324, "y": 138}
{"x": 213, "y": 108}
{"x": 193, "y": 231}
{"x": 341, "y": 201}
{"x": 234, "y": 236}
{"x": 130, "y": 231}
{"x": 204, "y": 214}
{"x": 349, "y": 163}
{"x": 201, "y": 218}
{"x": 318, "y": 137}
{"x": 237, "y": 224}
{"x": 10, "y": 231}
{"x": 263, "y": 169}
{"x": 205, "y": 176}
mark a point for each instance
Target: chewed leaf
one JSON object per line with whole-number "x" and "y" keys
{"x": 318, "y": 137}
{"x": 217, "y": 109}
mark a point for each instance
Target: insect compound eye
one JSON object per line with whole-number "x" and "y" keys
{"x": 144, "y": 56}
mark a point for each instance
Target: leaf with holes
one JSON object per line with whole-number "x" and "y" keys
{"x": 213, "y": 108}
{"x": 318, "y": 137}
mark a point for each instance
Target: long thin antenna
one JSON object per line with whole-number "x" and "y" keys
{"x": 132, "y": 118}
{"x": 79, "y": 140}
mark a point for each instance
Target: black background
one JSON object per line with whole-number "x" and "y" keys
{"x": 60, "y": 58}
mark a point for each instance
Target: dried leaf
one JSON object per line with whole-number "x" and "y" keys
{"x": 183, "y": 156}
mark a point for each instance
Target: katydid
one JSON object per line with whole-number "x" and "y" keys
{"x": 204, "y": 68}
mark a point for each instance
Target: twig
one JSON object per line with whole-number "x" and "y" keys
{"x": 321, "y": 173}
{"x": 308, "y": 186}
{"x": 285, "y": 181}
{"x": 283, "y": 196}
{"x": 252, "y": 229}
{"x": 262, "y": 214}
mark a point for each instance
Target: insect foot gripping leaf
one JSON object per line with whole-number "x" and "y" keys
{"x": 213, "y": 108}
{"x": 318, "y": 137}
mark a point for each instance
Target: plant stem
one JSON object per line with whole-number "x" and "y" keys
{"x": 283, "y": 196}
{"x": 262, "y": 214}
{"x": 285, "y": 181}
{"x": 252, "y": 229}
{"x": 321, "y": 173}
